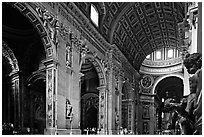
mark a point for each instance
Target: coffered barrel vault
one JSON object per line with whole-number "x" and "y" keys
{"x": 139, "y": 28}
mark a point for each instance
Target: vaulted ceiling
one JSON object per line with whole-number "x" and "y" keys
{"x": 138, "y": 28}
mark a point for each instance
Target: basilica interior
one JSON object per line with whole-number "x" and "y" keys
{"x": 108, "y": 68}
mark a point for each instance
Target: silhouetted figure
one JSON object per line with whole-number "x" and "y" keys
{"x": 190, "y": 108}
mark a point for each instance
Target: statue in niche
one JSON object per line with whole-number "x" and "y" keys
{"x": 68, "y": 55}
{"x": 68, "y": 109}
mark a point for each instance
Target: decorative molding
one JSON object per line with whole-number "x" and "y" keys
{"x": 99, "y": 68}
{"x": 9, "y": 55}
{"x": 163, "y": 63}
{"x": 159, "y": 71}
{"x": 28, "y": 10}
{"x": 147, "y": 81}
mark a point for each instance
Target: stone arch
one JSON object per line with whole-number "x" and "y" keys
{"x": 29, "y": 11}
{"x": 10, "y": 57}
{"x": 179, "y": 75}
{"x": 98, "y": 66}
{"x": 36, "y": 76}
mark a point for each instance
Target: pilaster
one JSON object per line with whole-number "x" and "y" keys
{"x": 109, "y": 88}
{"x": 51, "y": 97}
{"x": 102, "y": 110}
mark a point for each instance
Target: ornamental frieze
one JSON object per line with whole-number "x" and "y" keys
{"x": 163, "y": 63}
{"x": 158, "y": 71}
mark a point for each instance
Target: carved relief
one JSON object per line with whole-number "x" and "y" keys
{"x": 49, "y": 84}
{"x": 68, "y": 56}
{"x": 54, "y": 98}
{"x": 64, "y": 31}
{"x": 117, "y": 120}
{"x": 50, "y": 22}
{"x": 147, "y": 81}
{"x": 49, "y": 99}
{"x": 68, "y": 111}
{"x": 102, "y": 107}
{"x": 99, "y": 70}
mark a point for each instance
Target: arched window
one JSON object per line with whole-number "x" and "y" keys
{"x": 170, "y": 53}
{"x": 94, "y": 14}
{"x": 158, "y": 55}
{"x": 148, "y": 56}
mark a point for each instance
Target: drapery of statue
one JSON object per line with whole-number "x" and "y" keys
{"x": 189, "y": 110}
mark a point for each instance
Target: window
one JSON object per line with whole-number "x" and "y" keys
{"x": 158, "y": 55}
{"x": 148, "y": 56}
{"x": 170, "y": 53}
{"x": 94, "y": 15}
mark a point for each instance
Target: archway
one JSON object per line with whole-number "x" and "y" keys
{"x": 89, "y": 98}
{"x": 10, "y": 81}
{"x": 7, "y": 95}
{"x": 168, "y": 87}
{"x": 31, "y": 14}
{"x": 36, "y": 103}
{"x": 25, "y": 42}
